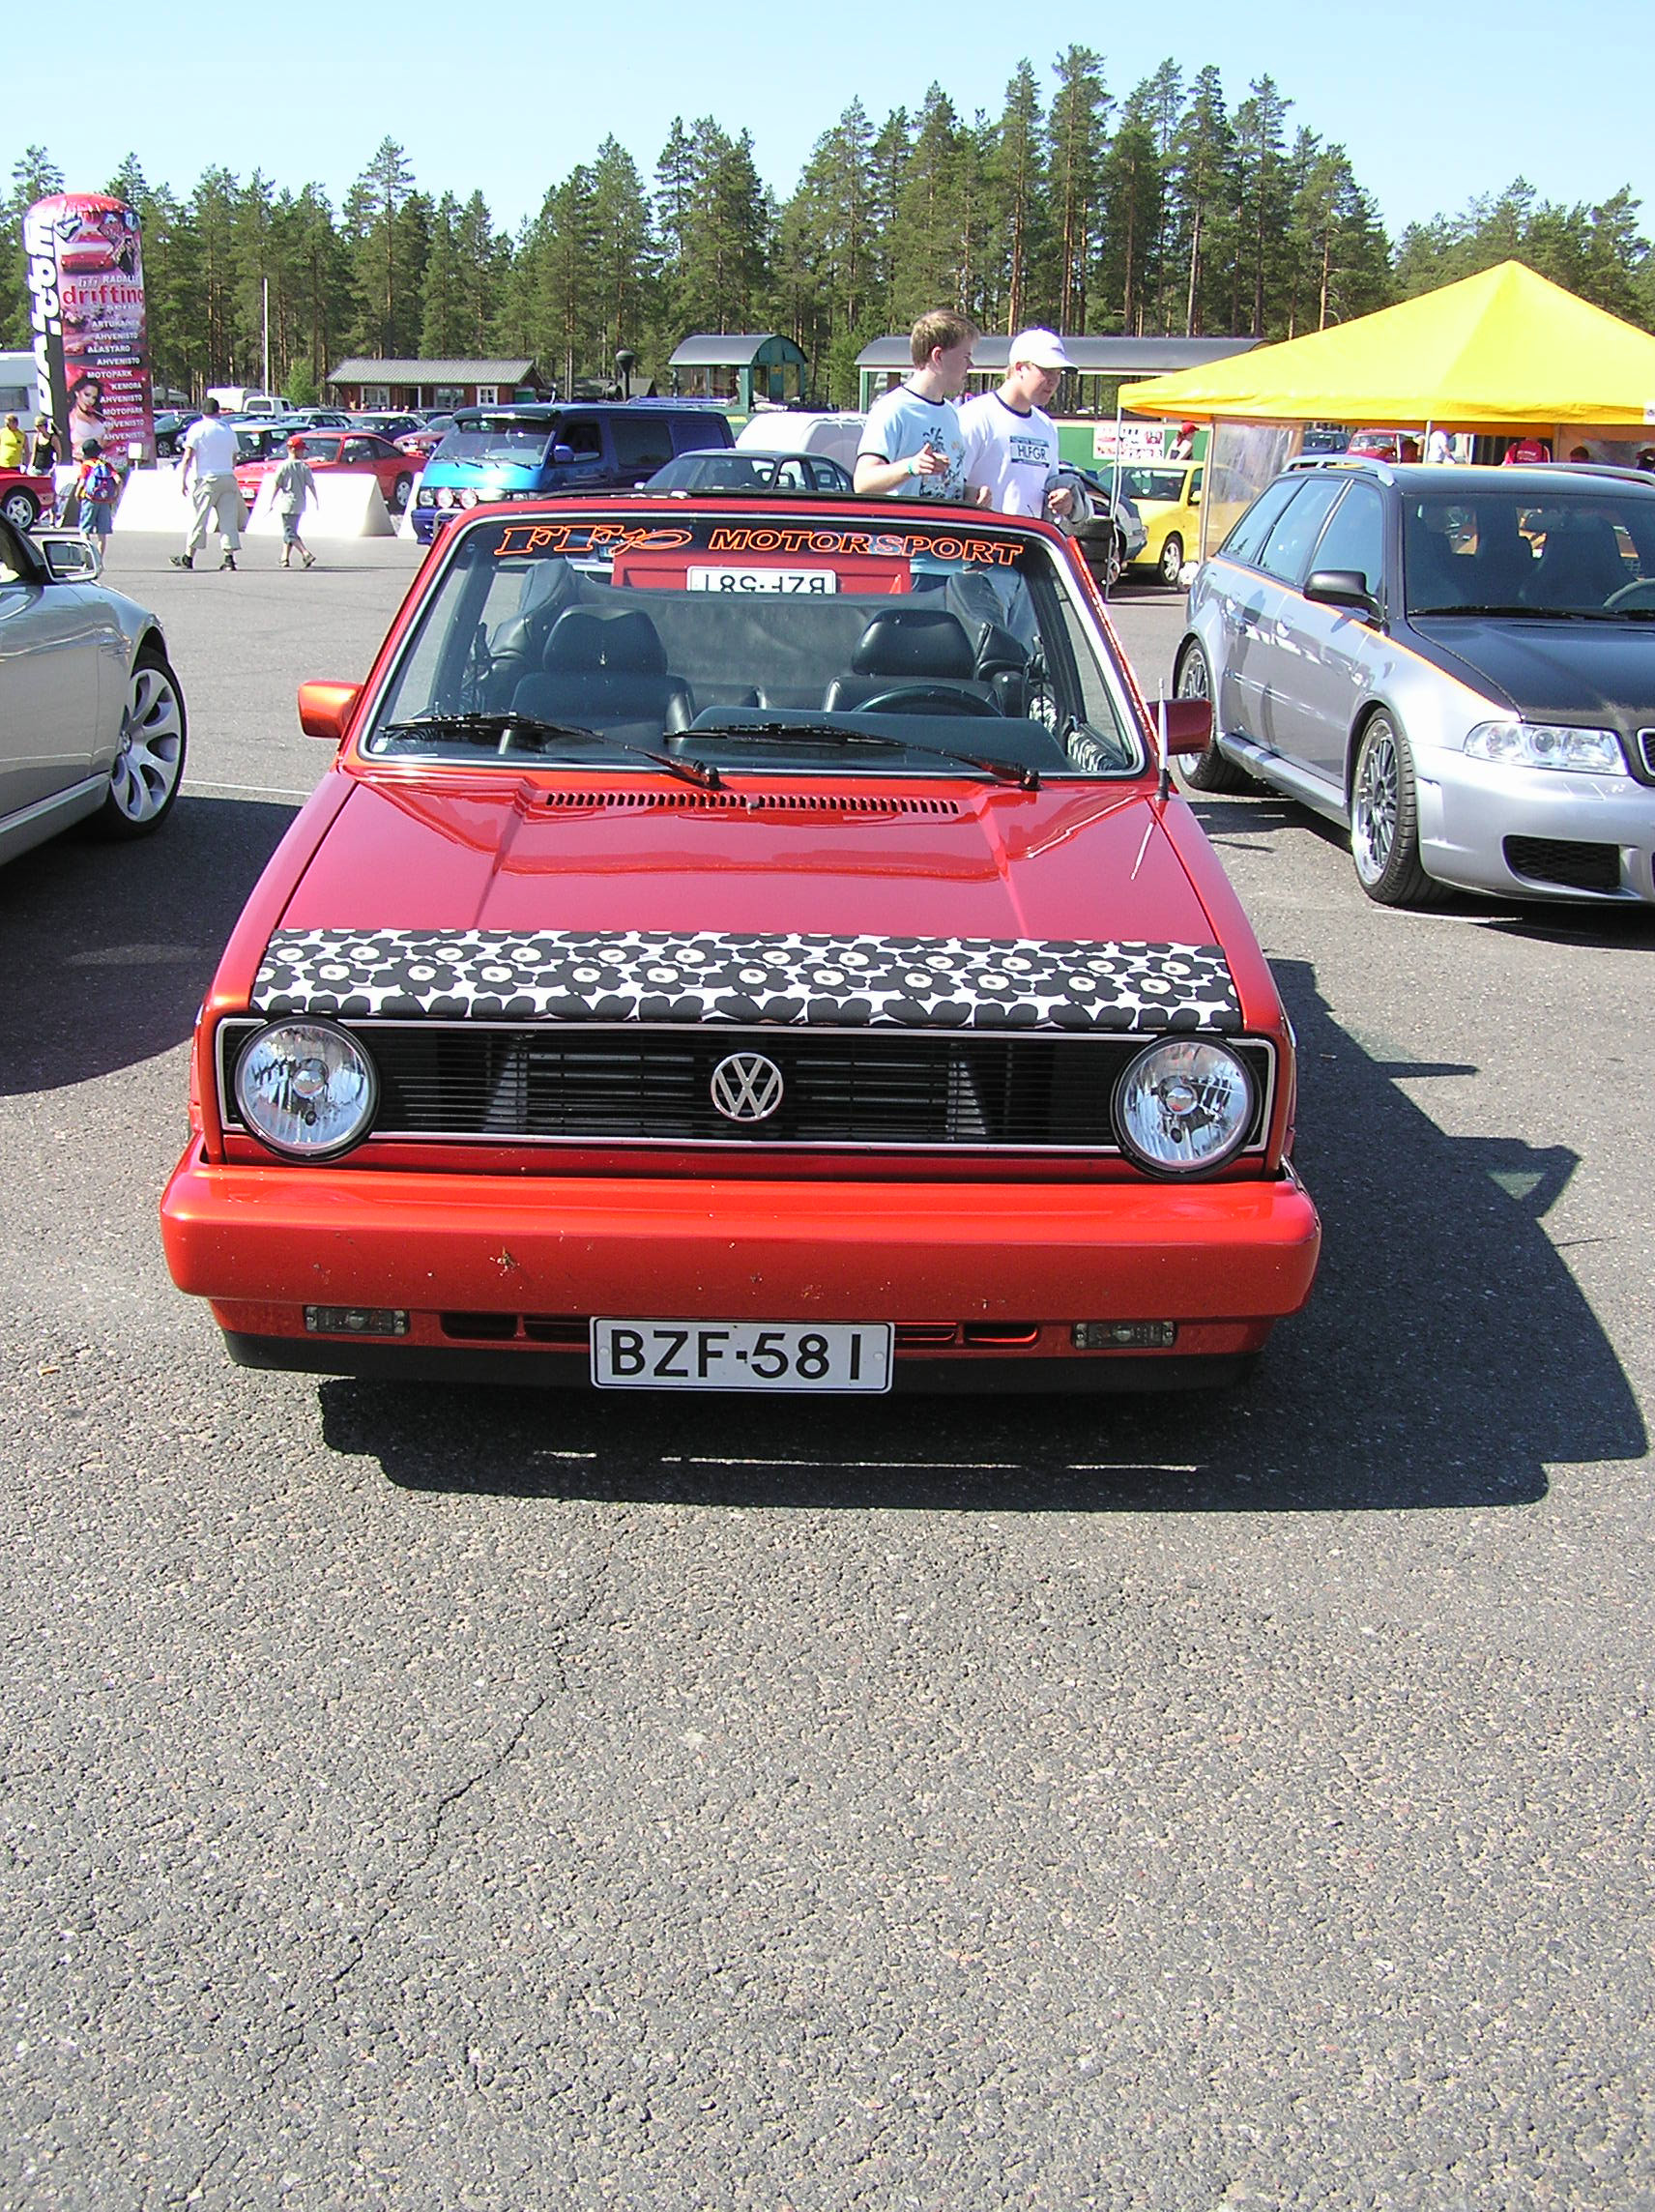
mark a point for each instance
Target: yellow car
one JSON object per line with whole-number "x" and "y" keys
{"x": 1167, "y": 494}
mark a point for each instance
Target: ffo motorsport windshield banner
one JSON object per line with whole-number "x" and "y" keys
{"x": 91, "y": 340}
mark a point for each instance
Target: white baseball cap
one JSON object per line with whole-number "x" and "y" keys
{"x": 1043, "y": 349}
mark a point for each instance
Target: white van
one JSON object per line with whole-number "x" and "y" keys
{"x": 245, "y": 399}
{"x": 780, "y": 430}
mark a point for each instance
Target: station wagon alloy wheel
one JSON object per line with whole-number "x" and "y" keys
{"x": 1208, "y": 771}
{"x": 150, "y": 762}
{"x": 1385, "y": 823}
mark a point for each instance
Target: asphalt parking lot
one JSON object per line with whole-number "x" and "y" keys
{"x": 431, "y": 1797}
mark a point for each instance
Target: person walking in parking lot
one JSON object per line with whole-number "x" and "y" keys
{"x": 208, "y": 474}
{"x": 911, "y": 446}
{"x": 1011, "y": 446}
{"x": 293, "y": 484}
{"x": 11, "y": 445}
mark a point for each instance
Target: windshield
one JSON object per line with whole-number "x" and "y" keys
{"x": 1580, "y": 552}
{"x": 1153, "y": 484}
{"x": 723, "y": 644}
{"x": 523, "y": 443}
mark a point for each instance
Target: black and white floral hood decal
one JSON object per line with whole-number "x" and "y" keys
{"x": 661, "y": 976}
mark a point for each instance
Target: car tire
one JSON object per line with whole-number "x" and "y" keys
{"x": 20, "y": 508}
{"x": 1208, "y": 771}
{"x": 400, "y": 492}
{"x": 1384, "y": 816}
{"x": 149, "y": 767}
{"x": 1171, "y": 561}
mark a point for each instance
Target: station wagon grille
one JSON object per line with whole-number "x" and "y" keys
{"x": 588, "y": 1084}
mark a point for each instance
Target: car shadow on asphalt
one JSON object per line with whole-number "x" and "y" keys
{"x": 1448, "y": 1358}
{"x": 109, "y": 948}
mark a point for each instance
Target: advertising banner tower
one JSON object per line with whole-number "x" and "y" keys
{"x": 91, "y": 338}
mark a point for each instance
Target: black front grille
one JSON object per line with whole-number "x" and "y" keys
{"x": 1568, "y": 862}
{"x": 841, "y": 1087}
{"x": 1646, "y": 750}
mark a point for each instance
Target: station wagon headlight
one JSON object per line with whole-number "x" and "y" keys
{"x": 307, "y": 1089}
{"x": 1183, "y": 1104}
{"x": 1546, "y": 744}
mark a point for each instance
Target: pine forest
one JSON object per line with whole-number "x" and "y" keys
{"x": 1170, "y": 212}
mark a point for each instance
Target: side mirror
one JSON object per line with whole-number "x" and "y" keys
{"x": 1189, "y": 724}
{"x": 1342, "y": 587}
{"x": 561, "y": 456}
{"x": 69, "y": 558}
{"x": 325, "y": 710}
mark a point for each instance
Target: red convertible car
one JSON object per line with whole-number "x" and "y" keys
{"x": 342, "y": 452}
{"x": 24, "y": 497}
{"x": 745, "y": 947}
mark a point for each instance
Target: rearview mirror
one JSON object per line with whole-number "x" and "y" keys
{"x": 325, "y": 710}
{"x": 1189, "y": 724}
{"x": 1342, "y": 587}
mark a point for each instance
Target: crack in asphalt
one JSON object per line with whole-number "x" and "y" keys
{"x": 280, "y": 2054}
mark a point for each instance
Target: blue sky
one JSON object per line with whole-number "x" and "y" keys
{"x": 1432, "y": 102}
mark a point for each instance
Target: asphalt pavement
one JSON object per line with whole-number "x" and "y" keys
{"x": 430, "y": 1797}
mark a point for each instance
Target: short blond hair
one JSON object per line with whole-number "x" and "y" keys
{"x": 942, "y": 327}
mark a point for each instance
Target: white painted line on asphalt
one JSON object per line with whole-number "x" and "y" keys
{"x": 194, "y": 788}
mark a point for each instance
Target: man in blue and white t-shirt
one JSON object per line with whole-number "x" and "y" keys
{"x": 1011, "y": 446}
{"x": 911, "y": 446}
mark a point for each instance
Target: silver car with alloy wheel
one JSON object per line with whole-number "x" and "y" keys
{"x": 92, "y": 718}
{"x": 1458, "y": 665}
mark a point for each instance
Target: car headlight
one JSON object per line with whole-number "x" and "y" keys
{"x": 1183, "y": 1104}
{"x": 467, "y": 499}
{"x": 444, "y": 497}
{"x": 424, "y": 498}
{"x": 1547, "y": 744}
{"x": 307, "y": 1089}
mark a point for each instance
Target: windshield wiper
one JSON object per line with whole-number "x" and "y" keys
{"x": 1529, "y": 614}
{"x": 501, "y": 726}
{"x": 1026, "y": 777}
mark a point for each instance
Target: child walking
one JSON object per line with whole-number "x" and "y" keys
{"x": 97, "y": 487}
{"x": 294, "y": 486}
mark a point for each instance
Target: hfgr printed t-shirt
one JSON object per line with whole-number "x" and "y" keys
{"x": 1015, "y": 455}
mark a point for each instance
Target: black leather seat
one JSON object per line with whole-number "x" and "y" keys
{"x": 1581, "y": 564}
{"x": 912, "y": 649}
{"x": 609, "y": 670}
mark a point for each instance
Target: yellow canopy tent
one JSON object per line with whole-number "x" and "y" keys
{"x": 1501, "y": 351}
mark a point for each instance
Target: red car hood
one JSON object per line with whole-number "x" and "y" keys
{"x": 943, "y": 862}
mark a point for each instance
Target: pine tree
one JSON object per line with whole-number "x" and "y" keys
{"x": 1017, "y": 181}
{"x": 1076, "y": 133}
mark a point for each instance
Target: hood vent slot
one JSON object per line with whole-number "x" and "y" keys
{"x": 788, "y": 803}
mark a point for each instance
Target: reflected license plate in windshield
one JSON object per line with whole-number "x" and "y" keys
{"x": 812, "y": 580}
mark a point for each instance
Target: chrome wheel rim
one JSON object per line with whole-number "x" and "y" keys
{"x": 1374, "y": 804}
{"x": 18, "y": 511}
{"x": 152, "y": 747}
{"x": 1171, "y": 560}
{"x": 1193, "y": 680}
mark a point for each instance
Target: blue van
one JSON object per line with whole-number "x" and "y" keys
{"x": 529, "y": 451}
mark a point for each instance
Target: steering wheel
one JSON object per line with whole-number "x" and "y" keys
{"x": 921, "y": 698}
{"x": 1639, "y": 597}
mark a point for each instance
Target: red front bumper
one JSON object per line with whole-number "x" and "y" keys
{"x": 278, "y": 1238}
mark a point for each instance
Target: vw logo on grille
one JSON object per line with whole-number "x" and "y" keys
{"x": 746, "y": 1087}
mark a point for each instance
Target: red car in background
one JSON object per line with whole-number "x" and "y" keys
{"x": 26, "y": 497}
{"x": 423, "y": 441}
{"x": 341, "y": 453}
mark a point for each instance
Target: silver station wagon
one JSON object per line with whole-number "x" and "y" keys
{"x": 1456, "y": 663}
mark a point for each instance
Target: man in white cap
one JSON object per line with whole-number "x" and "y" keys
{"x": 1011, "y": 447}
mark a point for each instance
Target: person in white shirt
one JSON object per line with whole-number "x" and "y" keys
{"x": 1011, "y": 446}
{"x": 209, "y": 473}
{"x": 1440, "y": 447}
{"x": 911, "y": 446}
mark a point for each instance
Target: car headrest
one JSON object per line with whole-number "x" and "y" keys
{"x": 583, "y": 638}
{"x": 913, "y": 641}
